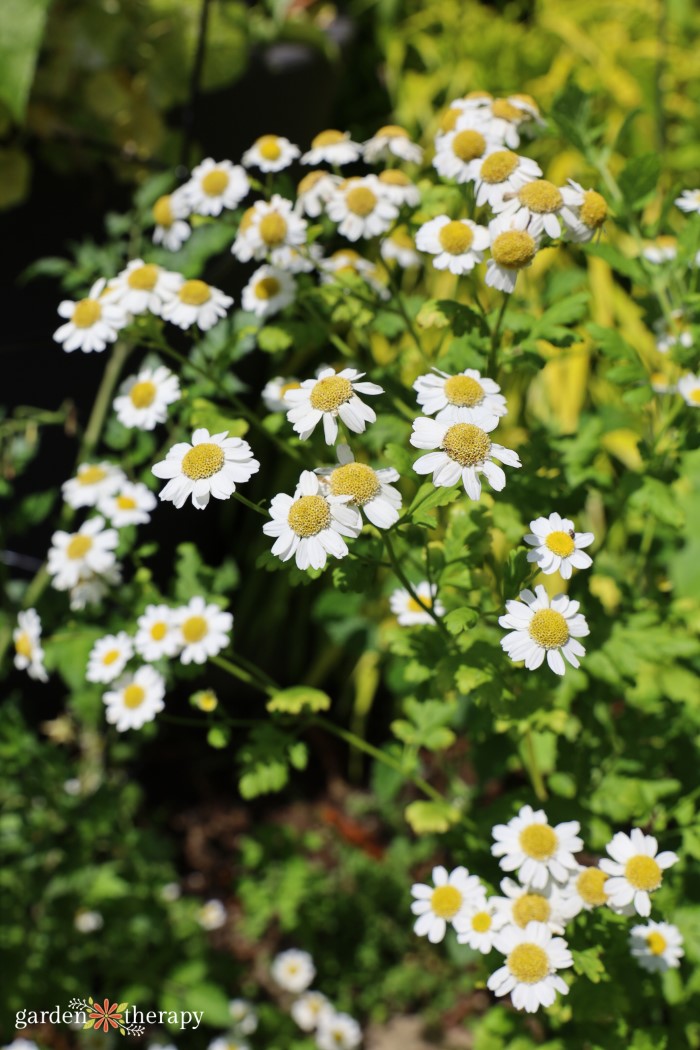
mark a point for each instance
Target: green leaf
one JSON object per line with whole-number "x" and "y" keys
{"x": 587, "y": 963}
{"x": 639, "y": 178}
{"x": 22, "y": 30}
{"x": 218, "y": 737}
{"x": 427, "y": 725}
{"x": 444, "y": 313}
{"x": 293, "y": 701}
{"x": 206, "y": 414}
{"x": 429, "y": 817}
{"x": 458, "y": 620}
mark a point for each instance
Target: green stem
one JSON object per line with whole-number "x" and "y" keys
{"x": 249, "y": 503}
{"x": 244, "y": 676}
{"x": 532, "y": 767}
{"x": 493, "y": 351}
{"x": 399, "y": 573}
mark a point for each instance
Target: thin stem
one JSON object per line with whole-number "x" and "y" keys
{"x": 243, "y": 675}
{"x": 493, "y": 351}
{"x": 249, "y": 503}
{"x": 532, "y": 767}
{"x": 398, "y": 571}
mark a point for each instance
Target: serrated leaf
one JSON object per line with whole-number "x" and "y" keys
{"x": 458, "y": 620}
{"x": 587, "y": 963}
{"x": 293, "y": 701}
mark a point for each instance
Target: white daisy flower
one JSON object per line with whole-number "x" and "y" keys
{"x": 293, "y": 970}
{"x": 266, "y": 226}
{"x": 543, "y": 205}
{"x": 503, "y": 172}
{"x": 29, "y": 654}
{"x": 79, "y": 555}
{"x": 135, "y": 700}
{"x": 533, "y": 957}
{"x": 88, "y": 921}
{"x": 411, "y": 613}
{"x": 228, "y": 1042}
{"x": 213, "y": 465}
{"x": 585, "y": 891}
{"x": 330, "y": 395}
{"x": 528, "y": 844}
{"x": 243, "y": 1015}
{"x": 392, "y": 141}
{"x": 169, "y": 215}
{"x": 457, "y": 244}
{"x": 92, "y": 483}
{"x": 505, "y": 116}
{"x": 689, "y": 201}
{"x": 271, "y": 153}
{"x": 522, "y": 904}
{"x": 347, "y": 261}
{"x": 635, "y": 871}
{"x": 332, "y": 147}
{"x": 540, "y": 628}
{"x": 657, "y": 947}
{"x": 196, "y": 302}
{"x": 661, "y": 250}
{"x": 275, "y": 390}
{"x": 478, "y": 926}
{"x": 202, "y": 630}
{"x": 304, "y": 259}
{"x": 465, "y": 110}
{"x": 361, "y": 208}
{"x": 369, "y": 490}
{"x": 310, "y": 525}
{"x": 144, "y": 398}
{"x": 398, "y": 188}
{"x": 314, "y": 191}
{"x": 214, "y": 186}
{"x": 558, "y": 548}
{"x": 589, "y": 208}
{"x": 212, "y": 916}
{"x": 338, "y": 1031}
{"x": 308, "y": 1010}
{"x": 156, "y": 634}
{"x": 671, "y": 331}
{"x": 94, "y": 587}
{"x": 131, "y": 504}
{"x": 462, "y": 398}
{"x": 91, "y": 323}
{"x": 268, "y": 291}
{"x": 689, "y": 389}
{"x": 171, "y": 892}
{"x": 108, "y": 657}
{"x": 400, "y": 247}
{"x": 460, "y": 152}
{"x": 452, "y": 894}
{"x": 513, "y": 249}
{"x": 143, "y": 288}
{"x": 465, "y": 451}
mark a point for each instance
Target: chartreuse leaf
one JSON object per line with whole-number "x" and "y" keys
{"x": 427, "y": 725}
{"x": 428, "y": 817}
{"x": 22, "y": 30}
{"x": 206, "y": 414}
{"x": 293, "y": 701}
{"x": 587, "y": 963}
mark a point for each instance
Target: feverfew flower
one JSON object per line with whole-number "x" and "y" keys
{"x": 243, "y": 1015}
{"x": 585, "y": 890}
{"x": 314, "y": 191}
{"x": 214, "y": 186}
{"x": 338, "y": 1031}
{"x": 144, "y": 398}
{"x": 392, "y": 141}
{"x": 135, "y": 700}
{"x": 211, "y": 466}
{"x": 398, "y": 188}
{"x": 457, "y": 244}
{"x": 310, "y": 525}
{"x": 332, "y": 147}
{"x": 661, "y": 250}
{"x": 143, "y": 288}
{"x": 271, "y": 153}
{"x": 657, "y": 947}
{"x": 452, "y": 895}
{"x": 589, "y": 208}
{"x": 29, "y": 655}
{"x": 202, "y": 630}
{"x": 465, "y": 451}
{"x": 463, "y": 398}
{"x": 88, "y": 921}
{"x": 409, "y": 612}
{"x": 267, "y": 226}
{"x": 304, "y": 259}
{"x": 131, "y": 504}
{"x": 635, "y": 871}
{"x": 108, "y": 657}
{"x": 460, "y": 152}
{"x": 156, "y": 635}
{"x": 347, "y": 261}
{"x": 228, "y": 1042}
{"x": 522, "y": 904}
{"x": 537, "y": 851}
{"x": 274, "y": 392}
{"x": 92, "y": 483}
{"x": 533, "y": 957}
{"x": 91, "y": 322}
{"x": 400, "y": 247}
{"x": 558, "y": 548}
{"x": 196, "y": 302}
{"x": 689, "y": 389}
{"x": 503, "y": 172}
{"x": 91, "y": 589}
{"x": 540, "y": 628}
{"x": 479, "y": 926}
{"x": 212, "y": 916}
{"x": 513, "y": 249}
{"x": 82, "y": 554}
{"x": 268, "y": 291}
{"x": 543, "y": 205}
{"x": 330, "y": 395}
{"x": 369, "y": 490}
{"x": 169, "y": 215}
{"x": 672, "y": 331}
{"x": 308, "y": 1009}
{"x": 688, "y": 201}
{"x": 361, "y": 208}
{"x": 293, "y": 970}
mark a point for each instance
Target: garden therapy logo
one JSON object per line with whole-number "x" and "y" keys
{"x": 108, "y": 1015}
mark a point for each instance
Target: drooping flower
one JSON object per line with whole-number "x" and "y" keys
{"x": 540, "y": 627}
{"x": 539, "y": 852}
{"x": 274, "y": 392}
{"x": 558, "y": 548}
{"x": 398, "y": 188}
{"x": 332, "y": 147}
{"x": 314, "y": 191}
{"x": 636, "y": 870}
{"x": 213, "y": 465}
{"x": 400, "y": 247}
{"x": 590, "y": 209}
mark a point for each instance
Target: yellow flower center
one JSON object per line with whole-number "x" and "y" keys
{"x": 413, "y": 606}
{"x": 643, "y": 872}
{"x": 463, "y": 391}
{"x": 393, "y": 177}
{"x": 468, "y": 145}
{"x": 23, "y": 645}
{"x": 590, "y": 885}
{"x": 695, "y": 396}
{"x": 541, "y": 196}
{"x": 78, "y": 546}
{"x": 402, "y": 238}
{"x": 288, "y": 386}
{"x": 247, "y": 219}
{"x": 310, "y": 180}
{"x": 528, "y": 963}
{"x": 215, "y": 182}
{"x": 327, "y": 138}
{"x": 360, "y": 200}
{"x": 560, "y": 543}
{"x": 194, "y": 629}
{"x": 503, "y": 109}
{"x": 158, "y": 631}
{"x": 528, "y": 100}
{"x": 455, "y": 237}
{"x": 498, "y": 166}
{"x": 163, "y": 212}
{"x": 481, "y": 922}
{"x": 143, "y": 278}
{"x": 666, "y": 241}
{"x": 91, "y": 475}
{"x": 538, "y": 841}
{"x": 330, "y": 393}
{"x": 392, "y": 131}
{"x": 134, "y": 696}
{"x": 594, "y": 210}
{"x": 109, "y": 657}
{"x": 467, "y": 444}
{"x": 309, "y": 515}
{"x": 202, "y": 461}
{"x": 142, "y": 394}
{"x": 126, "y": 503}
{"x": 267, "y": 288}
{"x": 531, "y": 907}
{"x": 446, "y": 901}
{"x": 356, "y": 480}
{"x": 195, "y": 293}
{"x": 269, "y": 147}
{"x": 86, "y": 313}
{"x": 449, "y": 118}
{"x": 207, "y": 701}
{"x": 656, "y": 943}
{"x": 513, "y": 249}
{"x": 478, "y": 94}
{"x": 273, "y": 229}
{"x": 549, "y": 629}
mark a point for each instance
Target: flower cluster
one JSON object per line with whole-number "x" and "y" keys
{"x": 294, "y": 971}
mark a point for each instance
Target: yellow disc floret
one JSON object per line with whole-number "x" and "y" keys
{"x": 468, "y": 145}
{"x": 78, "y": 546}
{"x": 109, "y": 657}
{"x": 331, "y": 137}
{"x": 163, "y": 212}
{"x": 91, "y": 475}
{"x": 309, "y": 515}
{"x": 142, "y": 394}
{"x": 455, "y": 237}
{"x": 392, "y": 131}
{"x": 394, "y": 177}
{"x": 360, "y": 200}
{"x": 158, "y": 630}
{"x": 528, "y": 963}
{"x": 498, "y": 166}
{"x": 330, "y": 393}
{"x": 503, "y": 109}
{"x": 590, "y": 885}
{"x": 143, "y": 278}
{"x": 203, "y": 461}
{"x": 549, "y": 629}
{"x": 463, "y": 391}
{"x": 194, "y": 629}
{"x": 656, "y": 943}
{"x": 560, "y": 543}
{"x": 481, "y": 922}
{"x": 356, "y": 480}
{"x": 643, "y": 873}
{"x": 446, "y": 901}
{"x": 273, "y": 229}
{"x": 467, "y": 444}
{"x": 310, "y": 180}
{"x": 215, "y": 182}
{"x": 531, "y": 907}
{"x": 538, "y": 841}
{"x": 513, "y": 249}
{"x": 267, "y": 288}
{"x": 449, "y": 118}
{"x": 134, "y": 696}
{"x": 126, "y": 503}
{"x": 541, "y": 197}
{"x": 23, "y": 645}
{"x": 594, "y": 210}
{"x": 269, "y": 147}
{"x": 86, "y": 313}
{"x": 194, "y": 293}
